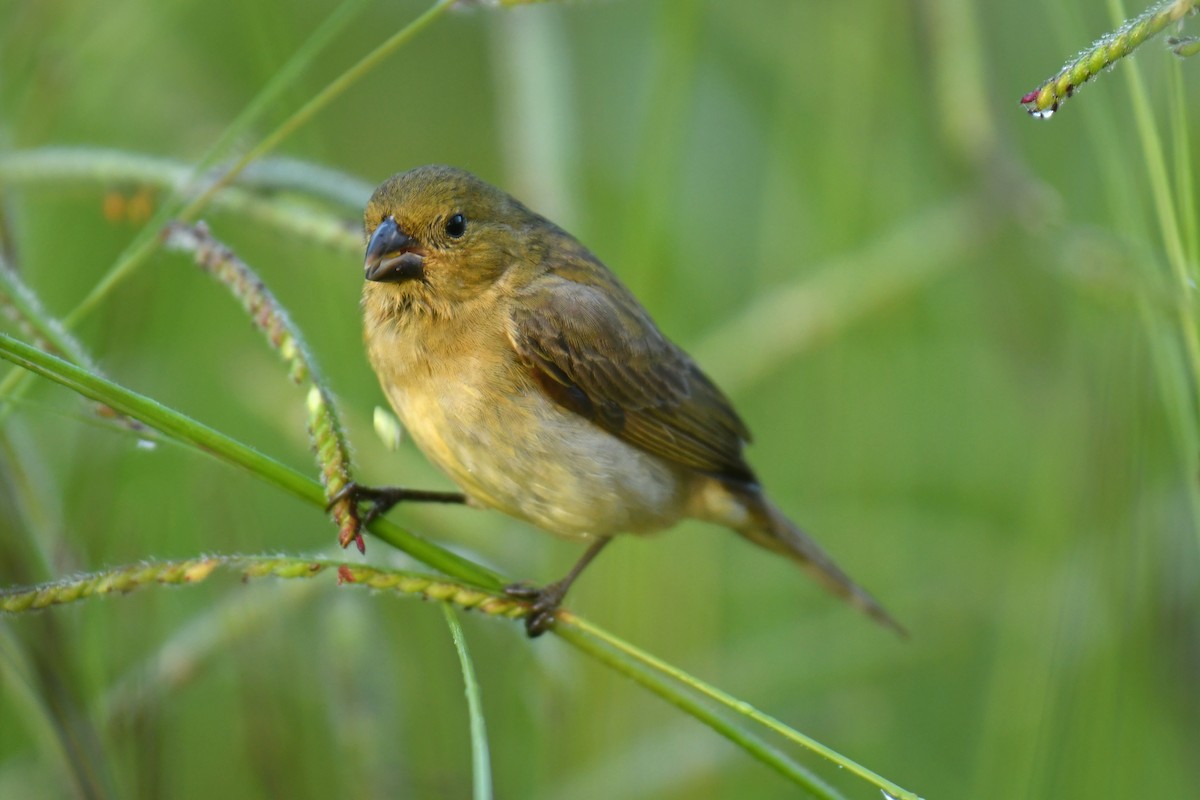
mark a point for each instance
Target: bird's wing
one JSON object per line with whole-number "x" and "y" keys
{"x": 596, "y": 351}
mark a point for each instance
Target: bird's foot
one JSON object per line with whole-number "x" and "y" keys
{"x": 543, "y": 604}
{"x": 381, "y": 499}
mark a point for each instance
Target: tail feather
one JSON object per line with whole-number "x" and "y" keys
{"x": 768, "y": 527}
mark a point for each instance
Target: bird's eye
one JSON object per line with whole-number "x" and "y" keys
{"x": 456, "y": 227}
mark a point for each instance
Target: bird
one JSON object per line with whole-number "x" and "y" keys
{"x": 526, "y": 371}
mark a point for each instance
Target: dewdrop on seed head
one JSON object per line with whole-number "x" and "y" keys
{"x": 1043, "y": 96}
{"x": 388, "y": 428}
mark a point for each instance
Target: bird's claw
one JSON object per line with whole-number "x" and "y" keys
{"x": 543, "y": 605}
{"x": 347, "y": 492}
{"x": 380, "y": 500}
{"x": 522, "y": 591}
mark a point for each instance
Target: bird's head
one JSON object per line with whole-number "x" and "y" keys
{"x": 438, "y": 236}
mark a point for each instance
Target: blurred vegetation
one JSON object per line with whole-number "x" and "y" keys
{"x": 960, "y": 335}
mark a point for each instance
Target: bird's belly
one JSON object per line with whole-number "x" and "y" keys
{"x": 525, "y": 456}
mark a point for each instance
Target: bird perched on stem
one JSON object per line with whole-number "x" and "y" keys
{"x": 528, "y": 373}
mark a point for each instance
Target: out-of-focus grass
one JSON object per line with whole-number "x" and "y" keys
{"x": 989, "y": 438}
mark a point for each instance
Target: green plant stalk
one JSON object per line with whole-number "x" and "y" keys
{"x": 598, "y": 643}
{"x": 78, "y": 768}
{"x": 325, "y": 428}
{"x": 30, "y": 510}
{"x": 318, "y": 102}
{"x": 121, "y": 580}
{"x": 1185, "y": 187}
{"x": 1153, "y": 153}
{"x": 658, "y": 160}
{"x": 333, "y": 188}
{"x": 481, "y": 762}
{"x": 42, "y": 327}
{"x": 964, "y": 100}
{"x": 603, "y": 651}
{"x": 181, "y": 658}
{"x": 1043, "y": 101}
{"x": 71, "y": 165}
{"x": 743, "y": 708}
{"x": 291, "y": 71}
{"x": 187, "y": 430}
{"x": 128, "y": 578}
{"x": 795, "y": 316}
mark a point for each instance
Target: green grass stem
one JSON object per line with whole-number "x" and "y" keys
{"x": 481, "y": 762}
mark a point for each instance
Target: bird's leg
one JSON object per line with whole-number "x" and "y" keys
{"x": 382, "y": 499}
{"x": 547, "y": 599}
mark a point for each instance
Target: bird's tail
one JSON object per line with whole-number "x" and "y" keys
{"x": 767, "y": 526}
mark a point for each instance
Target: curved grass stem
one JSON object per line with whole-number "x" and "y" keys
{"x": 325, "y": 428}
{"x": 1178, "y": 232}
{"x": 741, "y": 707}
{"x": 484, "y": 584}
{"x": 481, "y": 763}
{"x": 188, "y": 431}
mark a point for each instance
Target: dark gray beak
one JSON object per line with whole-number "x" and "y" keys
{"x": 390, "y": 255}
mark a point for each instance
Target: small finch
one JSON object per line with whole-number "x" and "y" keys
{"x": 529, "y": 374}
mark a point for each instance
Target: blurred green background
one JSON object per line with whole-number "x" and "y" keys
{"x": 952, "y": 328}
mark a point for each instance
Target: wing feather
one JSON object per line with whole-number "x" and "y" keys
{"x": 598, "y": 353}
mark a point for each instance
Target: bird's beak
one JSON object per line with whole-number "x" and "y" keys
{"x": 391, "y": 256}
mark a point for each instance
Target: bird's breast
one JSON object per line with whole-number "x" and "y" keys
{"x": 475, "y": 411}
